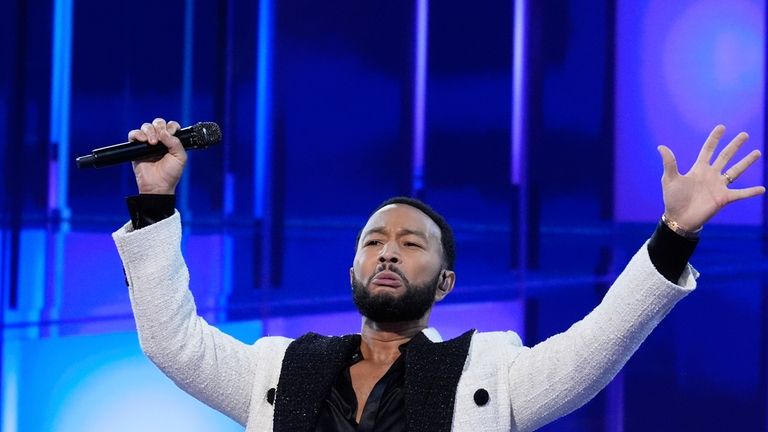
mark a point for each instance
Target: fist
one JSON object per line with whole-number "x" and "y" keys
{"x": 162, "y": 175}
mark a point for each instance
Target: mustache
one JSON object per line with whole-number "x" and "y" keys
{"x": 388, "y": 267}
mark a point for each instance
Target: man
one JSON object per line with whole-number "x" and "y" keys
{"x": 397, "y": 374}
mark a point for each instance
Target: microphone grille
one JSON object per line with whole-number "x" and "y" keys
{"x": 208, "y": 132}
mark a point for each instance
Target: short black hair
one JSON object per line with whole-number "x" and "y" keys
{"x": 446, "y": 233}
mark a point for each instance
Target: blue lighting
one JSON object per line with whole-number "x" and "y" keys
{"x": 518, "y": 93}
{"x": 58, "y": 168}
{"x": 263, "y": 108}
{"x": 61, "y": 76}
{"x": 101, "y": 383}
{"x": 186, "y": 96}
{"x": 533, "y": 134}
{"x": 518, "y": 145}
{"x": 420, "y": 93}
{"x": 681, "y": 68}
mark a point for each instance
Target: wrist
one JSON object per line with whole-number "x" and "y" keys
{"x": 146, "y": 209}
{"x": 680, "y": 230}
{"x": 157, "y": 191}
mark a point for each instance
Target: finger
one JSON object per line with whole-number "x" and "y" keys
{"x": 150, "y": 132}
{"x": 159, "y": 124}
{"x": 669, "y": 161}
{"x": 175, "y": 148}
{"x": 738, "y": 169}
{"x": 708, "y": 149}
{"x": 740, "y": 194}
{"x": 173, "y": 127}
{"x": 725, "y": 156}
{"x": 137, "y": 135}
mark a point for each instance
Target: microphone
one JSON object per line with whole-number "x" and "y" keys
{"x": 198, "y": 136}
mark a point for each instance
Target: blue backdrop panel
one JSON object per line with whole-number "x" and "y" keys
{"x": 99, "y": 383}
{"x": 329, "y": 108}
{"x": 682, "y": 68}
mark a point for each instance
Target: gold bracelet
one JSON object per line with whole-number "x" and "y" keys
{"x": 679, "y": 230}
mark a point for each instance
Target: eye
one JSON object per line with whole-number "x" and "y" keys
{"x": 373, "y": 242}
{"x": 412, "y": 244}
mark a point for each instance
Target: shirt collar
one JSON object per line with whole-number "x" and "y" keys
{"x": 432, "y": 334}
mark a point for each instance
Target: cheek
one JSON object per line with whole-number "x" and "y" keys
{"x": 361, "y": 264}
{"x": 424, "y": 269}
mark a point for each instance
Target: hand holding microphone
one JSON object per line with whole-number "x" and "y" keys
{"x": 160, "y": 176}
{"x": 157, "y": 152}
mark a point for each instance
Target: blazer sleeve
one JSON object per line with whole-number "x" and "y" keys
{"x": 208, "y": 364}
{"x": 565, "y": 371}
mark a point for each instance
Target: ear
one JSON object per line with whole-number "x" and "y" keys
{"x": 351, "y": 277}
{"x": 445, "y": 284}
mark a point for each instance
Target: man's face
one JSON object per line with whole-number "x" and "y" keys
{"x": 398, "y": 265}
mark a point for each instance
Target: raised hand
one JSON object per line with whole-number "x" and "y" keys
{"x": 160, "y": 176}
{"x": 692, "y": 199}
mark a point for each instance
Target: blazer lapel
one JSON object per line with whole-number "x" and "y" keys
{"x": 311, "y": 364}
{"x": 432, "y": 372}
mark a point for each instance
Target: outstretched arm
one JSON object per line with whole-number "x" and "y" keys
{"x": 210, "y": 365}
{"x": 562, "y": 373}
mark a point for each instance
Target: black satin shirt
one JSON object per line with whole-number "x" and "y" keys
{"x": 384, "y": 410}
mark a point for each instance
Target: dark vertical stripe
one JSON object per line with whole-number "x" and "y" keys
{"x": 227, "y": 119}
{"x": 614, "y": 404}
{"x": 763, "y": 355}
{"x": 187, "y": 77}
{"x": 763, "y": 372}
{"x": 16, "y": 122}
{"x": 608, "y": 121}
{"x": 11, "y": 169}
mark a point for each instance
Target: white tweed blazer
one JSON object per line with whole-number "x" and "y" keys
{"x": 528, "y": 387}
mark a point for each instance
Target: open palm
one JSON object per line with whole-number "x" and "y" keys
{"x": 691, "y": 199}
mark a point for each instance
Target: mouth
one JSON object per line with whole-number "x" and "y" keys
{"x": 388, "y": 279}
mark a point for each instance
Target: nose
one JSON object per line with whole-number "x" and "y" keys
{"x": 389, "y": 254}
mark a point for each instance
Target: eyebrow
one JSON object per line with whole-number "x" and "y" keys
{"x": 400, "y": 233}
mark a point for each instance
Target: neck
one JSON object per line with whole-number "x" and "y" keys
{"x": 381, "y": 341}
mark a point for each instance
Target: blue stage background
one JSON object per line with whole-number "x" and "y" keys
{"x": 532, "y": 125}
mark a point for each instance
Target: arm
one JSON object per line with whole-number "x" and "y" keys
{"x": 211, "y": 366}
{"x": 565, "y": 371}
{"x": 562, "y": 373}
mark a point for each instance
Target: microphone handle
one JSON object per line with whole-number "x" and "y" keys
{"x": 121, "y": 153}
{"x": 135, "y": 150}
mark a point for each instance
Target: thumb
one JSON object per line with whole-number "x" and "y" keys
{"x": 669, "y": 161}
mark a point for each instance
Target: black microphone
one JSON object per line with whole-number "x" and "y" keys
{"x": 198, "y": 136}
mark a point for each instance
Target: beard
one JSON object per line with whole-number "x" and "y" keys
{"x": 388, "y": 308}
